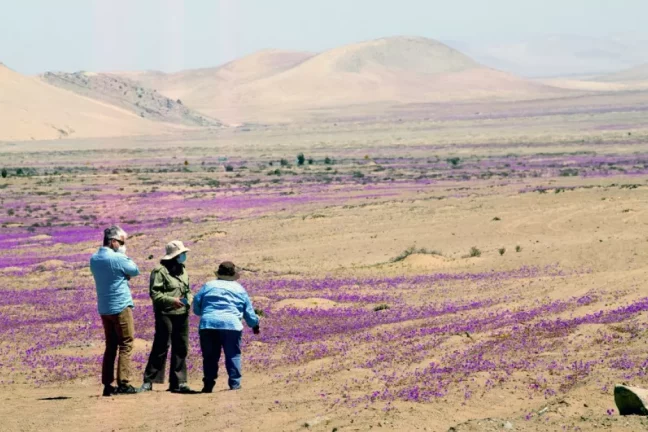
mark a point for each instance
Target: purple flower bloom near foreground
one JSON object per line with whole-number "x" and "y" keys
{"x": 411, "y": 351}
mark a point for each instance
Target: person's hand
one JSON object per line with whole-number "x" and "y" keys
{"x": 177, "y": 303}
{"x": 256, "y": 330}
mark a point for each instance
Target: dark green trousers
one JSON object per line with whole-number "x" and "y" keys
{"x": 170, "y": 331}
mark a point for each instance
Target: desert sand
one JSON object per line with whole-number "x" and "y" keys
{"x": 33, "y": 110}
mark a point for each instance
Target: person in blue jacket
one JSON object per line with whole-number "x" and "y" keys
{"x": 222, "y": 304}
{"x": 112, "y": 270}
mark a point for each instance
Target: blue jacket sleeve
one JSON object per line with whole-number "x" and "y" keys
{"x": 197, "y": 301}
{"x": 129, "y": 267}
{"x": 249, "y": 315}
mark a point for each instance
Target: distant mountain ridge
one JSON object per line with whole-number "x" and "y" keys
{"x": 632, "y": 79}
{"x": 627, "y": 76}
{"x": 558, "y": 55}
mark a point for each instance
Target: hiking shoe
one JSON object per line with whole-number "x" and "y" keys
{"x": 146, "y": 387}
{"x": 108, "y": 390}
{"x": 183, "y": 389}
{"x": 126, "y": 389}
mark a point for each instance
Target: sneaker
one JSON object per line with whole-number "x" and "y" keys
{"x": 108, "y": 390}
{"x": 146, "y": 387}
{"x": 126, "y": 389}
{"x": 238, "y": 387}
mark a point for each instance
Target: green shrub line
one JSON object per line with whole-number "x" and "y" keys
{"x": 412, "y": 250}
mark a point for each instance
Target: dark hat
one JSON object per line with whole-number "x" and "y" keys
{"x": 227, "y": 271}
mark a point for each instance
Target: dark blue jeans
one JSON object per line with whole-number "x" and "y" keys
{"x": 211, "y": 342}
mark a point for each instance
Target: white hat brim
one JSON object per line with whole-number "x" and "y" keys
{"x": 175, "y": 254}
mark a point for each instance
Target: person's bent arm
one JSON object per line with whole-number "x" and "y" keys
{"x": 197, "y": 301}
{"x": 129, "y": 267}
{"x": 249, "y": 315}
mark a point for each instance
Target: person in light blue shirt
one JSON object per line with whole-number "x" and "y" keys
{"x": 221, "y": 305}
{"x": 112, "y": 270}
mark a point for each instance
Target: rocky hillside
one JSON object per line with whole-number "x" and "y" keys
{"x": 130, "y": 95}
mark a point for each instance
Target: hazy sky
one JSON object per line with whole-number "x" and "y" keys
{"x": 104, "y": 35}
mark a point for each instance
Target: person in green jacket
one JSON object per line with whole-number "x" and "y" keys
{"x": 171, "y": 294}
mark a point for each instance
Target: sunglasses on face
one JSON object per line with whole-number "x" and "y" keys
{"x": 121, "y": 242}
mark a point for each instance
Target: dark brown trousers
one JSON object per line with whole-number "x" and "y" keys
{"x": 119, "y": 330}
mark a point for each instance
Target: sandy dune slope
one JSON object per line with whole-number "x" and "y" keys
{"x": 390, "y": 70}
{"x": 190, "y": 83}
{"x": 32, "y": 109}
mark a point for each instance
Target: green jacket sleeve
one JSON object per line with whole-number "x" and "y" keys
{"x": 190, "y": 296}
{"x": 156, "y": 291}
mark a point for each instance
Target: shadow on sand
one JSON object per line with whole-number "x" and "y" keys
{"x": 54, "y": 398}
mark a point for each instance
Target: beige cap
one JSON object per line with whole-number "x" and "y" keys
{"x": 173, "y": 249}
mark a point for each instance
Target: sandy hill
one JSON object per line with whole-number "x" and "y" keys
{"x": 128, "y": 94}
{"x": 191, "y": 82}
{"x": 270, "y": 86}
{"x": 391, "y": 70}
{"x": 33, "y": 109}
